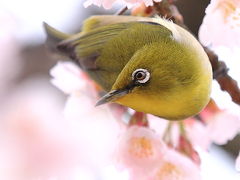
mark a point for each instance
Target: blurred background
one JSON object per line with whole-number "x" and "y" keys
{"x": 26, "y": 93}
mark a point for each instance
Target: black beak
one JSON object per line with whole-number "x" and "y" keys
{"x": 112, "y": 95}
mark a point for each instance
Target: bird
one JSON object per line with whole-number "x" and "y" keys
{"x": 151, "y": 65}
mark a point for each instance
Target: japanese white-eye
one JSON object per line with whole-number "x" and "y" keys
{"x": 148, "y": 64}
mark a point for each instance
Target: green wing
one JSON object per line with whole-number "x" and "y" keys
{"x": 104, "y": 51}
{"x": 86, "y": 44}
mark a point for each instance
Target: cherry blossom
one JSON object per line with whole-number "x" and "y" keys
{"x": 81, "y": 91}
{"x": 226, "y": 122}
{"x": 94, "y": 127}
{"x": 197, "y": 133}
{"x": 139, "y": 150}
{"x": 146, "y": 157}
{"x": 38, "y": 142}
{"x": 218, "y": 121}
{"x": 157, "y": 124}
{"x": 222, "y": 16}
{"x": 176, "y": 166}
{"x": 34, "y": 139}
{"x": 68, "y": 77}
{"x": 107, "y": 4}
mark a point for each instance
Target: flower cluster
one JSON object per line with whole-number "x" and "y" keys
{"x": 220, "y": 31}
{"x": 224, "y": 15}
{"x": 129, "y": 3}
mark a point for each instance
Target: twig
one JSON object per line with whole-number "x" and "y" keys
{"x": 167, "y": 9}
{"x": 139, "y": 118}
{"x": 226, "y": 82}
{"x": 167, "y": 133}
{"x": 121, "y": 11}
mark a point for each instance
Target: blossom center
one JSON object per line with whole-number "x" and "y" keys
{"x": 229, "y": 9}
{"x": 169, "y": 170}
{"x": 141, "y": 147}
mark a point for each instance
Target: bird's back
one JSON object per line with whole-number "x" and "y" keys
{"x": 104, "y": 51}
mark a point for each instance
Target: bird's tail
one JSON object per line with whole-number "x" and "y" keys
{"x": 54, "y": 37}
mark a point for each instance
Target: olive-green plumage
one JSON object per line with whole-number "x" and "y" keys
{"x": 148, "y": 64}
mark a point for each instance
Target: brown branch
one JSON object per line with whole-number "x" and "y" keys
{"x": 220, "y": 73}
{"x": 121, "y": 11}
{"x": 167, "y": 9}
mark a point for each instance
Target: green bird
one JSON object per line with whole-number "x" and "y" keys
{"x": 148, "y": 64}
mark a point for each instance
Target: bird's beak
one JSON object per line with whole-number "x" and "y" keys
{"x": 112, "y": 96}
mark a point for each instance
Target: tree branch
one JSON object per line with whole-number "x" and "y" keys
{"x": 121, "y": 11}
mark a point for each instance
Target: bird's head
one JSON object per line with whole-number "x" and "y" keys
{"x": 164, "y": 79}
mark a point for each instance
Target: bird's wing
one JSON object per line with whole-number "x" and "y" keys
{"x": 86, "y": 43}
{"x": 98, "y": 21}
{"x": 86, "y": 46}
{"x": 104, "y": 44}
{"x": 97, "y": 30}
{"x": 103, "y": 20}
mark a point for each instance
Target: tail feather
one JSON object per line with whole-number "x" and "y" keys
{"x": 54, "y": 37}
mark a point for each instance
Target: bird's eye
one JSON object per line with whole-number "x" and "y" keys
{"x": 141, "y": 75}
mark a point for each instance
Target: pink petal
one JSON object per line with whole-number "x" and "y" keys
{"x": 223, "y": 127}
{"x": 197, "y": 134}
{"x": 221, "y": 16}
{"x": 139, "y": 150}
{"x": 68, "y": 77}
{"x": 157, "y": 124}
{"x": 176, "y": 166}
{"x": 34, "y": 135}
{"x": 107, "y": 4}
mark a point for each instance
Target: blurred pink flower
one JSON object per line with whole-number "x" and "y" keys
{"x": 176, "y": 166}
{"x": 68, "y": 77}
{"x": 95, "y": 127}
{"x": 82, "y": 92}
{"x": 157, "y": 124}
{"x": 214, "y": 121}
{"x": 197, "y": 133}
{"x": 217, "y": 121}
{"x": 140, "y": 150}
{"x": 107, "y": 4}
{"x": 222, "y": 17}
{"x": 223, "y": 127}
{"x": 238, "y": 162}
{"x": 35, "y": 141}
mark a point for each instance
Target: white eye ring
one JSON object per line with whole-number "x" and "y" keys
{"x": 143, "y": 74}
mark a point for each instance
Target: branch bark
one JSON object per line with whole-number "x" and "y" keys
{"x": 121, "y": 11}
